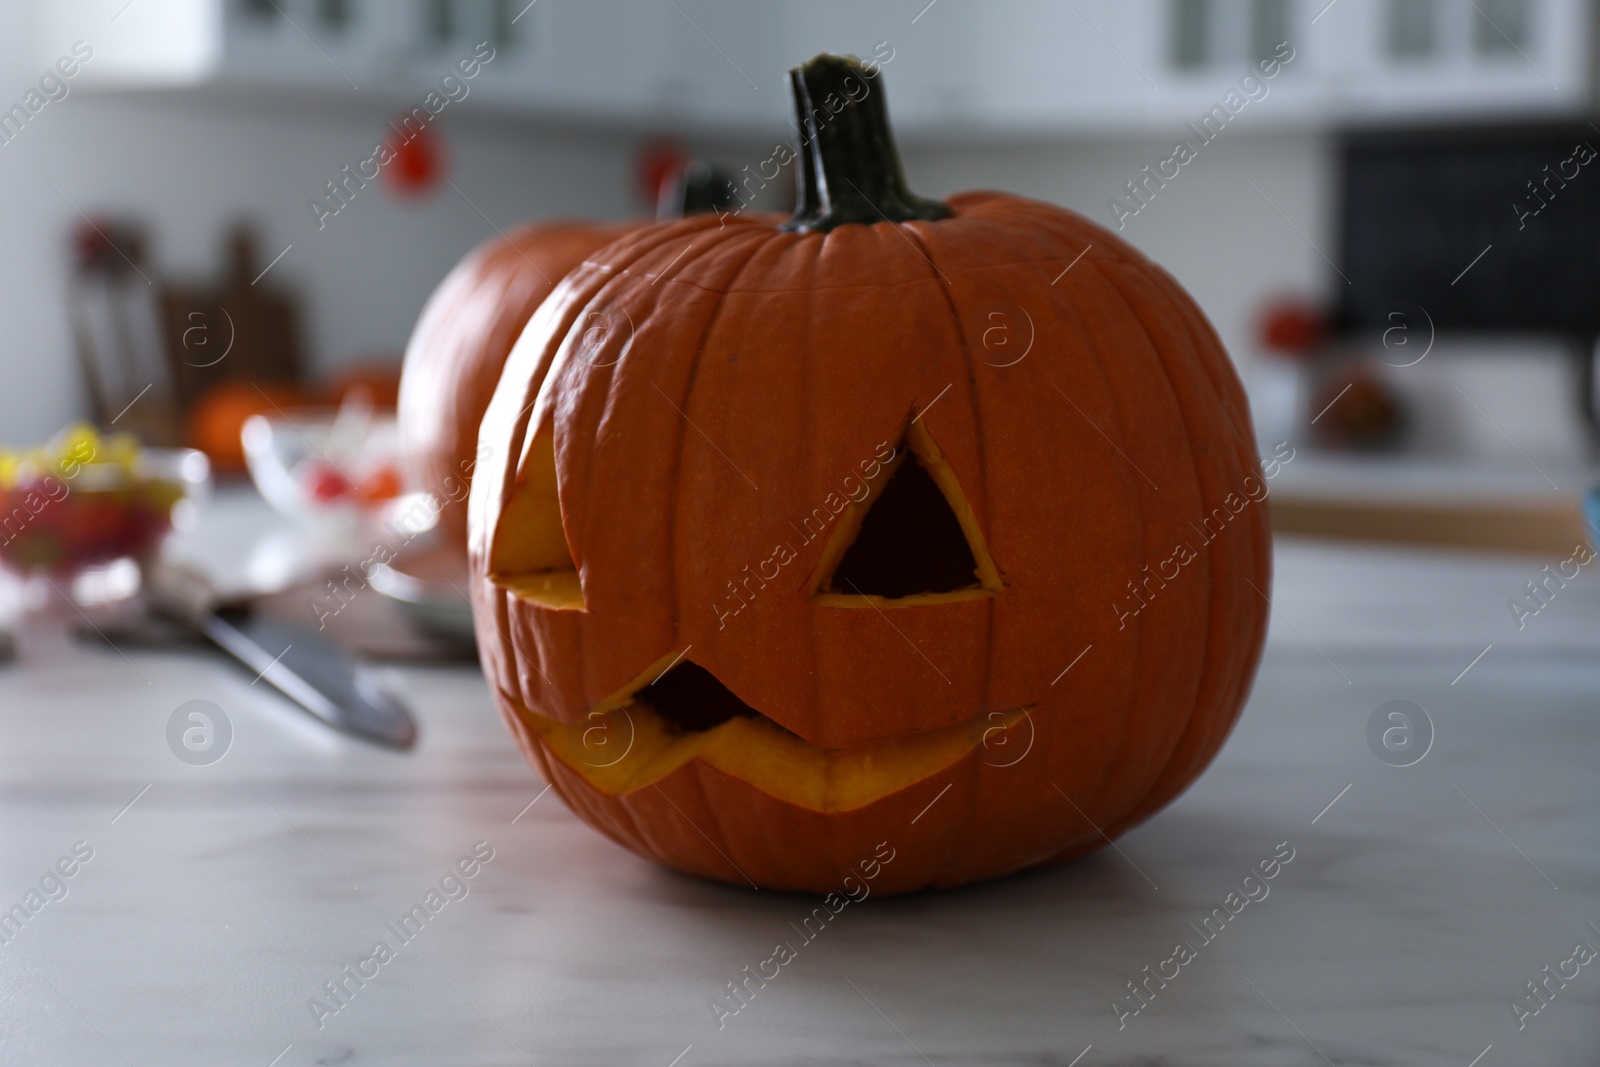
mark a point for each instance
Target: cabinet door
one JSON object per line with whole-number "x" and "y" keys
{"x": 179, "y": 43}
{"x": 958, "y": 69}
{"x": 1417, "y": 58}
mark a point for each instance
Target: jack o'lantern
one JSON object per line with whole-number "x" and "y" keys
{"x": 788, "y": 562}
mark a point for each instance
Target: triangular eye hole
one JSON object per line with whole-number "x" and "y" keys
{"x": 913, "y": 540}
{"x": 910, "y": 542}
{"x": 530, "y": 557}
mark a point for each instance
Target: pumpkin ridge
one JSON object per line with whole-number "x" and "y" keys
{"x": 1056, "y": 216}
{"x": 605, "y": 295}
{"x": 1249, "y": 450}
{"x": 1195, "y": 477}
{"x": 1073, "y": 226}
{"x": 654, "y": 832}
{"x": 524, "y": 427}
{"x": 523, "y": 380}
{"x": 1239, "y": 665}
{"x": 1215, "y": 604}
{"x": 889, "y": 286}
{"x": 1095, "y": 358}
{"x": 810, "y": 253}
{"x": 690, "y": 232}
{"x": 757, "y": 242}
{"x": 703, "y": 794}
{"x": 1140, "y": 637}
{"x": 637, "y": 828}
{"x": 1248, "y": 463}
{"x": 915, "y": 236}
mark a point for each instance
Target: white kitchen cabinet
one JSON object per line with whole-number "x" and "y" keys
{"x": 1043, "y": 68}
{"x": 967, "y": 69}
{"x": 558, "y": 58}
{"x": 1410, "y": 59}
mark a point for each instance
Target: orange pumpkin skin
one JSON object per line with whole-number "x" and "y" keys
{"x": 460, "y": 343}
{"x": 743, "y": 373}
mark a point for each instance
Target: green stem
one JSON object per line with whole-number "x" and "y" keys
{"x": 849, "y": 168}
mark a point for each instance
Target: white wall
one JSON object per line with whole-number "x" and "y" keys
{"x": 187, "y": 168}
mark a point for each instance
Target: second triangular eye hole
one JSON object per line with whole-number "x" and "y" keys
{"x": 914, "y": 540}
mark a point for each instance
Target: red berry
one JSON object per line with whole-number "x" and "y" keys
{"x": 326, "y": 484}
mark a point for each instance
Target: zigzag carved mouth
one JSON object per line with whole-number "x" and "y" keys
{"x": 690, "y": 699}
{"x": 672, "y": 714}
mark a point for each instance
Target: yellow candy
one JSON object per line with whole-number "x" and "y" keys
{"x": 121, "y": 449}
{"x": 68, "y": 452}
{"x": 78, "y": 443}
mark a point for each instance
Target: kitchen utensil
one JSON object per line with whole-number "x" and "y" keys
{"x": 429, "y": 587}
{"x": 322, "y": 678}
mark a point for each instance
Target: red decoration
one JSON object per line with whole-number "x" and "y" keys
{"x": 1293, "y": 327}
{"x": 658, "y": 162}
{"x": 325, "y": 483}
{"x": 1360, "y": 410}
{"x": 418, "y": 164}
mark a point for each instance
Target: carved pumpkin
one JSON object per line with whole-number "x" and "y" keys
{"x": 795, "y": 558}
{"x": 460, "y": 344}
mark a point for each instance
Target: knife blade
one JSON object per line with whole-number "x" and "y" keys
{"x": 310, "y": 670}
{"x": 315, "y": 673}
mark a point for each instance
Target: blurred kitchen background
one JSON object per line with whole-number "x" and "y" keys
{"x": 1397, "y": 234}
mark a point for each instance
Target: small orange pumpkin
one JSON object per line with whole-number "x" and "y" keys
{"x": 219, "y": 414}
{"x": 795, "y": 564}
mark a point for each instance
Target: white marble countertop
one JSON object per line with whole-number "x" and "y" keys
{"x": 1419, "y": 901}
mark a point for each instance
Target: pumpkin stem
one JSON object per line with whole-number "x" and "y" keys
{"x": 849, "y": 168}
